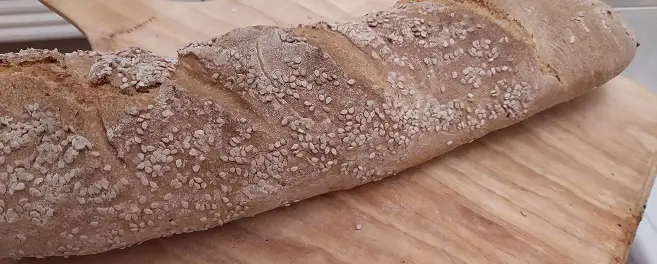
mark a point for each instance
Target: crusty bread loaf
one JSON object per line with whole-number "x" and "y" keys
{"x": 103, "y": 151}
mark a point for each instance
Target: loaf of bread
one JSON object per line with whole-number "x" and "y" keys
{"x": 100, "y": 151}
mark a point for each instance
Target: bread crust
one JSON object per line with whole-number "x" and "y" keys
{"x": 104, "y": 151}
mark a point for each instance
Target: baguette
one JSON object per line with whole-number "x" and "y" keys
{"x": 100, "y": 151}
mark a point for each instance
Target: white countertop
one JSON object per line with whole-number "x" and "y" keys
{"x": 29, "y": 20}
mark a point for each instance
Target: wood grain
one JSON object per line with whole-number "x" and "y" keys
{"x": 566, "y": 186}
{"x": 164, "y": 26}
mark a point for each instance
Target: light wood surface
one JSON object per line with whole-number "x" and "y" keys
{"x": 164, "y": 26}
{"x": 566, "y": 186}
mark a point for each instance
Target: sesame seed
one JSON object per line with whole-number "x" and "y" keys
{"x": 167, "y": 113}
{"x": 199, "y": 133}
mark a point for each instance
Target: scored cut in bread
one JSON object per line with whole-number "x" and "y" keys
{"x": 100, "y": 151}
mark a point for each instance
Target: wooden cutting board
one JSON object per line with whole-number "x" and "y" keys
{"x": 567, "y": 186}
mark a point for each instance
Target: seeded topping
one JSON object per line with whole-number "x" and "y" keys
{"x": 241, "y": 120}
{"x": 132, "y": 69}
{"x": 30, "y": 56}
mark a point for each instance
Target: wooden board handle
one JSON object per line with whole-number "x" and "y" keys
{"x": 163, "y": 26}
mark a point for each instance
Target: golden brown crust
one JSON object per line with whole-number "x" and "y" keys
{"x": 103, "y": 151}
